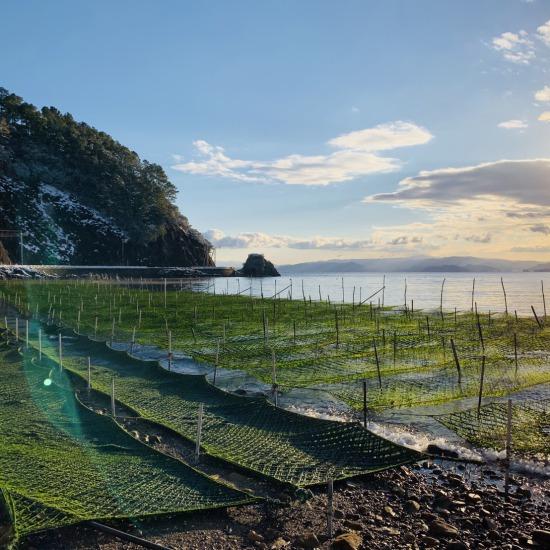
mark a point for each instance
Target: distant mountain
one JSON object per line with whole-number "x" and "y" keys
{"x": 539, "y": 267}
{"x": 451, "y": 264}
{"x": 80, "y": 197}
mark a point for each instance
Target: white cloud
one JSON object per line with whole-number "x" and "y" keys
{"x": 543, "y": 94}
{"x": 513, "y": 124}
{"x": 543, "y": 33}
{"x": 383, "y": 137}
{"x": 263, "y": 240}
{"x": 356, "y": 154}
{"x": 544, "y": 116}
{"x": 515, "y": 47}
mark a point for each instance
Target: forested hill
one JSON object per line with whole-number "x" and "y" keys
{"x": 80, "y": 197}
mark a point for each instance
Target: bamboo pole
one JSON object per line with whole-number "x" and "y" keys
{"x": 330, "y": 508}
{"x": 481, "y": 380}
{"x": 169, "y": 350}
{"x": 509, "y": 411}
{"x": 543, "y": 298}
{"x": 217, "y": 362}
{"x": 441, "y": 299}
{"x": 337, "y": 328}
{"x": 457, "y": 362}
{"x": 505, "y": 298}
{"x": 536, "y": 317}
{"x": 274, "y": 378}
{"x": 199, "y": 433}
{"x": 113, "y": 405}
{"x": 377, "y": 365}
{"x": 60, "y": 347}
{"x": 516, "y": 352}
{"x": 364, "y": 403}
{"x": 89, "y": 374}
{"x": 480, "y": 333}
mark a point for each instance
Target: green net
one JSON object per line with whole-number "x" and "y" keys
{"x": 530, "y": 426}
{"x": 61, "y": 463}
{"x": 315, "y": 344}
{"x": 249, "y": 432}
{"x": 404, "y": 357}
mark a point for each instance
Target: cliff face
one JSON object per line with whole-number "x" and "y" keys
{"x": 79, "y": 197}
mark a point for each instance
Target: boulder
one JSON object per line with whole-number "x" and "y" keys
{"x": 347, "y": 541}
{"x": 257, "y": 266}
{"x": 307, "y": 540}
{"x": 439, "y": 528}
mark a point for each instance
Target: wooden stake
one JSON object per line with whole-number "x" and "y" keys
{"x": 60, "y": 352}
{"x": 40, "y": 344}
{"x": 113, "y": 407}
{"x": 377, "y": 365}
{"x": 89, "y": 374}
{"x": 473, "y": 292}
{"x": 364, "y": 404}
{"x": 505, "y": 299}
{"x": 441, "y": 299}
{"x": 457, "y": 362}
{"x": 481, "y": 379}
{"x": 536, "y": 317}
{"x": 274, "y": 378}
{"x": 480, "y": 333}
{"x": 337, "y": 328}
{"x": 199, "y": 433}
{"x": 516, "y": 352}
{"x": 543, "y": 298}
{"x": 508, "y": 446}
{"x": 169, "y": 350}
{"x": 330, "y": 507}
{"x": 217, "y": 362}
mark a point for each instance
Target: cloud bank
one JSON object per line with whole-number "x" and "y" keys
{"x": 523, "y": 181}
{"x": 494, "y": 207}
{"x": 354, "y": 154}
{"x": 263, "y": 240}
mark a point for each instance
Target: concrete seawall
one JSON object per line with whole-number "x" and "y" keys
{"x": 145, "y": 272}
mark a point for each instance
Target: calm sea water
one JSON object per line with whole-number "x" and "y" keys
{"x": 522, "y": 289}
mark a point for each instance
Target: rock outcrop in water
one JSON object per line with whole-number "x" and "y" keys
{"x": 257, "y": 266}
{"x": 80, "y": 197}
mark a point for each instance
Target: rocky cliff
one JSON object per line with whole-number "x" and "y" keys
{"x": 80, "y": 197}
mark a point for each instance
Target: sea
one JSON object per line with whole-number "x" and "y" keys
{"x": 426, "y": 291}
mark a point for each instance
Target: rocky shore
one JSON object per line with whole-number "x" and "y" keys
{"x": 434, "y": 504}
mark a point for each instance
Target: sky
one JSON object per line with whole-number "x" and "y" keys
{"x": 315, "y": 129}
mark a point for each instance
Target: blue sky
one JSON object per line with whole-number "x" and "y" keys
{"x": 239, "y": 102}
